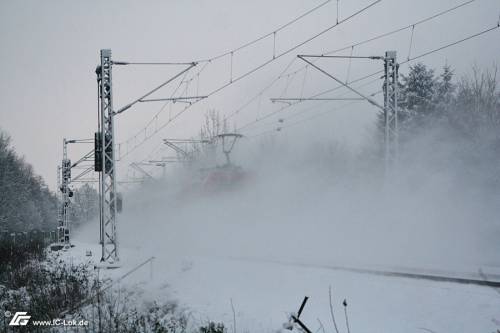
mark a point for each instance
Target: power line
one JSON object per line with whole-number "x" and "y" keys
{"x": 242, "y": 46}
{"x": 274, "y": 130}
{"x": 282, "y": 75}
{"x": 232, "y": 81}
{"x": 317, "y": 99}
{"x": 412, "y": 25}
{"x": 392, "y": 32}
{"x": 496, "y": 26}
{"x": 386, "y": 34}
{"x": 406, "y": 61}
{"x": 162, "y": 108}
{"x": 124, "y": 63}
{"x": 238, "y": 110}
{"x": 297, "y": 102}
{"x": 319, "y": 114}
{"x": 272, "y": 33}
{"x": 129, "y": 105}
{"x": 310, "y": 117}
{"x": 295, "y": 47}
{"x": 371, "y": 101}
{"x": 231, "y": 52}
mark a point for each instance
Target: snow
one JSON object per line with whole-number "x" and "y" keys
{"x": 212, "y": 249}
{"x": 264, "y": 293}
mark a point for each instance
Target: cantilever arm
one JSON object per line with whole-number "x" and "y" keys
{"x": 370, "y": 100}
{"x": 126, "y": 107}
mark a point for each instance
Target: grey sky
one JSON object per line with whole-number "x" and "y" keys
{"x": 49, "y": 50}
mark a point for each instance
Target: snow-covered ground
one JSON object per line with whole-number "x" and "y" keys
{"x": 266, "y": 246}
{"x": 264, "y": 293}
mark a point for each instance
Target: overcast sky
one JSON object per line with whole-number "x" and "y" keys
{"x": 49, "y": 51}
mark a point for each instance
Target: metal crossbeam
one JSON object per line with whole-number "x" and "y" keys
{"x": 294, "y": 99}
{"x": 142, "y": 98}
{"x": 370, "y": 100}
{"x": 186, "y": 99}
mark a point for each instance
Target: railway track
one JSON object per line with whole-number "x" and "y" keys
{"x": 478, "y": 279}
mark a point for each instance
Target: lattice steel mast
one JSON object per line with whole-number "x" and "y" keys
{"x": 66, "y": 193}
{"x": 105, "y": 162}
{"x": 104, "y": 156}
{"x": 391, "y": 136}
{"x": 59, "y": 197}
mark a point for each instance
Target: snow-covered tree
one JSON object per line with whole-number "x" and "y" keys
{"x": 85, "y": 204}
{"x": 418, "y": 91}
{"x": 476, "y": 107}
{"x": 444, "y": 91}
{"x": 25, "y": 201}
